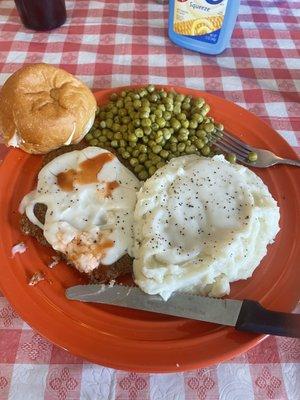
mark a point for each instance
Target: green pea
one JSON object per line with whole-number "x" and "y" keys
{"x": 145, "y": 139}
{"x": 139, "y": 132}
{"x": 120, "y": 103}
{"x": 132, "y": 137}
{"x": 115, "y": 127}
{"x": 199, "y": 102}
{"x": 146, "y": 103}
{"x": 209, "y": 127}
{"x": 181, "y": 117}
{"x": 231, "y": 158}
{"x": 167, "y": 134}
{"x": 122, "y": 143}
{"x": 143, "y": 148}
{"x": 173, "y": 147}
{"x": 189, "y": 150}
{"x": 143, "y": 93}
{"x": 89, "y": 136}
{"x": 123, "y": 112}
{"x": 133, "y": 161}
{"x": 137, "y": 104}
{"x": 199, "y": 143}
{"x": 135, "y": 152}
{"x": 185, "y": 106}
{"x": 118, "y": 136}
{"x": 125, "y": 120}
{"x": 201, "y": 134}
{"x": 114, "y": 110}
{"x": 193, "y": 124}
{"x": 175, "y": 124}
{"x": 146, "y": 122}
{"x": 205, "y": 109}
{"x": 151, "y": 143}
{"x": 205, "y": 150}
{"x": 158, "y": 113}
{"x": 147, "y": 130}
{"x": 252, "y": 156}
{"x": 155, "y": 126}
{"x": 183, "y": 131}
{"x": 138, "y": 168}
{"x": 114, "y": 96}
{"x": 163, "y": 94}
{"x": 160, "y": 164}
{"x": 123, "y": 129}
{"x": 114, "y": 143}
{"x": 169, "y": 107}
{"x": 164, "y": 153}
{"x": 156, "y": 149}
{"x": 182, "y": 137}
{"x": 94, "y": 142}
{"x": 148, "y": 163}
{"x": 126, "y": 154}
{"x": 143, "y": 114}
{"x": 143, "y": 175}
{"x": 181, "y": 147}
{"x": 152, "y": 170}
{"x": 150, "y": 88}
{"x": 167, "y": 115}
{"x": 97, "y": 133}
{"x": 177, "y": 110}
{"x": 185, "y": 124}
{"x": 180, "y": 97}
{"x": 142, "y": 158}
{"x": 219, "y": 126}
{"x": 161, "y": 122}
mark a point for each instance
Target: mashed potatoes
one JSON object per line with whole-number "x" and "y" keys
{"x": 200, "y": 224}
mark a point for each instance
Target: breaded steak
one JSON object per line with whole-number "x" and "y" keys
{"x": 104, "y": 273}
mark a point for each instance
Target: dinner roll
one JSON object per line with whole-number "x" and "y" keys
{"x": 43, "y": 107}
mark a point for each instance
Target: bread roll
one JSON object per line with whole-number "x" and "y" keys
{"x": 43, "y": 108}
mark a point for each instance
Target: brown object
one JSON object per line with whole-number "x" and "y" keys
{"x": 42, "y": 15}
{"x": 43, "y": 108}
{"x": 87, "y": 173}
{"x": 104, "y": 273}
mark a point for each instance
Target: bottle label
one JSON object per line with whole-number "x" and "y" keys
{"x": 199, "y": 19}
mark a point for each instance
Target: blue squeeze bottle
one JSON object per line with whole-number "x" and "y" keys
{"x": 202, "y": 25}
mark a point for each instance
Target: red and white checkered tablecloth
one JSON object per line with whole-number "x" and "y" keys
{"x": 113, "y": 43}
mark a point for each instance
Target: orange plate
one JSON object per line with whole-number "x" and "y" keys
{"x": 135, "y": 340}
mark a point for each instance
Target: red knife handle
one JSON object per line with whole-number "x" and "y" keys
{"x": 255, "y": 318}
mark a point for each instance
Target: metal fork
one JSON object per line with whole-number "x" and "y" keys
{"x": 265, "y": 158}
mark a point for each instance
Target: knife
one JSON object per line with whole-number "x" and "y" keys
{"x": 246, "y": 315}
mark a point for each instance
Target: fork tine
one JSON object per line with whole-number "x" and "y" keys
{"x": 234, "y": 147}
{"x": 237, "y": 141}
{"x": 222, "y": 145}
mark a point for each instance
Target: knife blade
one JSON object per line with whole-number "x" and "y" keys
{"x": 247, "y": 315}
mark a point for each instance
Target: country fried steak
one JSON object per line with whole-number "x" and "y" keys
{"x": 104, "y": 273}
